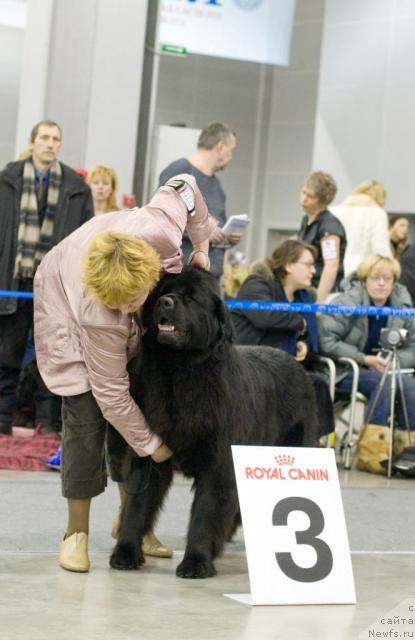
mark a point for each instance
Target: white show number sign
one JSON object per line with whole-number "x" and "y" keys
{"x": 294, "y": 527}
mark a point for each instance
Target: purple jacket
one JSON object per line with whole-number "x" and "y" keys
{"x": 83, "y": 346}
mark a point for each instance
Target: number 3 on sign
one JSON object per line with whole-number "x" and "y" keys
{"x": 324, "y": 563}
{"x": 294, "y": 528}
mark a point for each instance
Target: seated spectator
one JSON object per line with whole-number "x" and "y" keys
{"x": 103, "y": 184}
{"x": 365, "y": 222}
{"x": 324, "y": 231}
{"x": 284, "y": 278}
{"x": 398, "y": 234}
{"x": 357, "y": 337}
{"x": 408, "y": 270}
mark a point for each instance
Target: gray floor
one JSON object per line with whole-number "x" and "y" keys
{"x": 38, "y": 599}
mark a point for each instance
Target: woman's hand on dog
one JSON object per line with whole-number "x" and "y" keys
{"x": 161, "y": 454}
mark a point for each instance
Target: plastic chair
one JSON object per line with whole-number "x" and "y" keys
{"x": 330, "y": 365}
{"x": 349, "y": 399}
{"x": 341, "y": 401}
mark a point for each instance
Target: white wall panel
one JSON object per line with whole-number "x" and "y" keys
{"x": 358, "y": 10}
{"x": 115, "y": 87}
{"x": 82, "y": 68}
{"x": 33, "y": 81}
{"x": 365, "y": 126}
{"x": 282, "y": 200}
{"x": 294, "y": 96}
{"x": 11, "y": 53}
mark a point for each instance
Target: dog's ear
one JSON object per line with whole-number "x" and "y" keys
{"x": 226, "y": 330}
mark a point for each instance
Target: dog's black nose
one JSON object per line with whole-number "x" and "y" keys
{"x": 165, "y": 302}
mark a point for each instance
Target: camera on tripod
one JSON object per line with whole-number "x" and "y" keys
{"x": 392, "y": 338}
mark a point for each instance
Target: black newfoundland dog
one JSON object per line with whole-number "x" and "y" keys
{"x": 202, "y": 394}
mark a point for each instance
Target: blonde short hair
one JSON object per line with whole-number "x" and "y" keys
{"x": 374, "y": 190}
{"x": 366, "y": 267}
{"x": 119, "y": 267}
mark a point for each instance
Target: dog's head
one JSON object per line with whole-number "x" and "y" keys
{"x": 185, "y": 312}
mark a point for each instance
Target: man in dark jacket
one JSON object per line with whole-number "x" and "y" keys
{"x": 41, "y": 202}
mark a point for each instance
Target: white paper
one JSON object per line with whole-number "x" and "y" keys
{"x": 235, "y": 224}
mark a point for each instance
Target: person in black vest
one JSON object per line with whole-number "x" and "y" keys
{"x": 41, "y": 202}
{"x": 324, "y": 231}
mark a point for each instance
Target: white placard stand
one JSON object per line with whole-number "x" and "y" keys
{"x": 294, "y": 527}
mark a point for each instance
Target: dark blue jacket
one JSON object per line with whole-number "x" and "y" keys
{"x": 279, "y": 329}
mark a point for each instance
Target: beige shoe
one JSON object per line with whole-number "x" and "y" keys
{"x": 115, "y": 531}
{"x": 73, "y": 554}
{"x": 153, "y": 547}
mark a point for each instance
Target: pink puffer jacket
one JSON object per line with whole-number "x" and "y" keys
{"x": 83, "y": 346}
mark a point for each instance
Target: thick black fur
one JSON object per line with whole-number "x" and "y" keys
{"x": 202, "y": 394}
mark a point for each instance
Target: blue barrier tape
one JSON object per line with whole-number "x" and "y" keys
{"x": 303, "y": 307}
{"x": 16, "y": 294}
{"x": 349, "y": 310}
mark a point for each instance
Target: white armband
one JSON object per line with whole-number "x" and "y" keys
{"x": 329, "y": 249}
{"x": 186, "y": 193}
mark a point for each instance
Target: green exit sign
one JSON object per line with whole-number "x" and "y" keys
{"x": 173, "y": 49}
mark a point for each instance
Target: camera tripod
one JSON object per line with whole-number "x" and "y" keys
{"x": 392, "y": 368}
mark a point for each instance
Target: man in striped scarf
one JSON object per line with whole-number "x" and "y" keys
{"x": 41, "y": 202}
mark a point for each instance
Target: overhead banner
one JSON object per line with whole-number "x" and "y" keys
{"x": 254, "y": 30}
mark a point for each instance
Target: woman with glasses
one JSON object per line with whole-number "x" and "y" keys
{"x": 357, "y": 337}
{"x": 285, "y": 277}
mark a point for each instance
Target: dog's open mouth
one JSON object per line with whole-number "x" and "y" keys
{"x": 170, "y": 330}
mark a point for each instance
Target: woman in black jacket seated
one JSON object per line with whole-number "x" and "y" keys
{"x": 285, "y": 277}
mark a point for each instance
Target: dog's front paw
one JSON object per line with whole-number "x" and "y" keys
{"x": 126, "y": 556}
{"x": 195, "y": 566}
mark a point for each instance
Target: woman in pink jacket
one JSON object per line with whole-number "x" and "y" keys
{"x": 87, "y": 292}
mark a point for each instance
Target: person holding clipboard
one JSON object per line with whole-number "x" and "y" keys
{"x": 215, "y": 147}
{"x": 234, "y": 230}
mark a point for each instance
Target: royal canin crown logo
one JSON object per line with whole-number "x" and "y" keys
{"x": 285, "y": 459}
{"x": 285, "y": 470}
